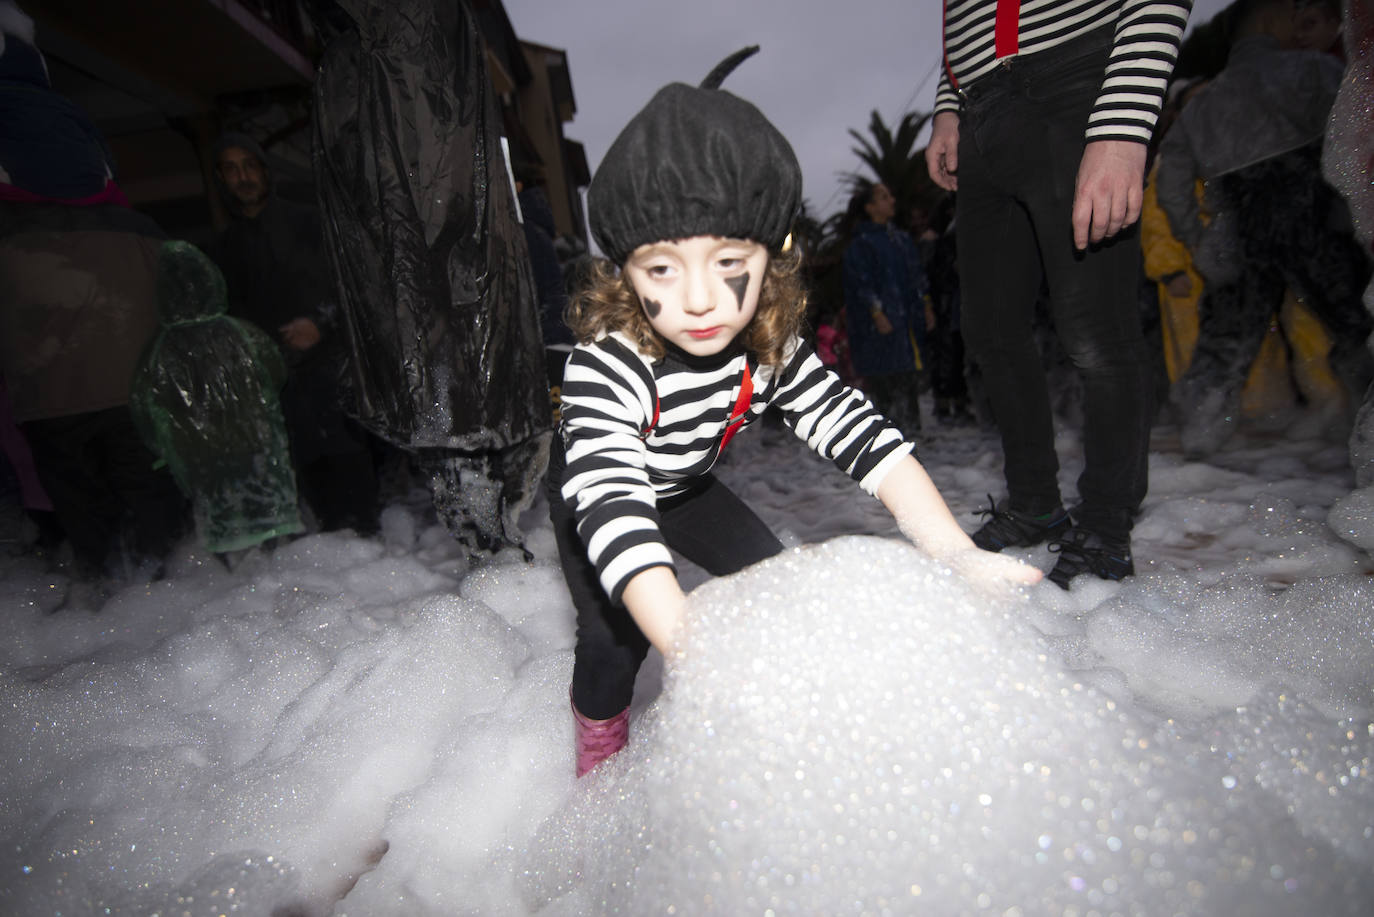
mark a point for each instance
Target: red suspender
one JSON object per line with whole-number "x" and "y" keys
{"x": 1008, "y": 23}
{"x": 1007, "y": 34}
{"x": 746, "y": 395}
{"x": 652, "y": 423}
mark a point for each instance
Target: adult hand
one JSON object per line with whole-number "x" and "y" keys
{"x": 942, "y": 153}
{"x": 300, "y": 334}
{"x": 881, "y": 322}
{"x": 1110, "y": 187}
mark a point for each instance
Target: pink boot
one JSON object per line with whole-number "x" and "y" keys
{"x": 597, "y": 740}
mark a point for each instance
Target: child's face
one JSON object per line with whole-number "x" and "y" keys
{"x": 699, "y": 293}
{"x": 1315, "y": 29}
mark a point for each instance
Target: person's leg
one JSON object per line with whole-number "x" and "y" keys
{"x": 1233, "y": 321}
{"x": 1095, "y": 314}
{"x": 1329, "y": 271}
{"x": 1094, "y": 303}
{"x": 342, "y": 491}
{"x": 610, "y": 646}
{"x": 62, "y": 455}
{"x": 715, "y": 529}
{"x": 999, "y": 276}
{"x": 895, "y": 397}
{"x": 153, "y": 510}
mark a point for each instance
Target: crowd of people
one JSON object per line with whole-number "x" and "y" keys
{"x": 153, "y": 388}
{"x": 248, "y": 392}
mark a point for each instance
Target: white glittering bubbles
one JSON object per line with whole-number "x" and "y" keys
{"x": 853, "y": 729}
{"x": 245, "y": 752}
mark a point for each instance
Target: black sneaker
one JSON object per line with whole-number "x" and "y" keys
{"x": 1008, "y": 528}
{"x": 1081, "y": 551}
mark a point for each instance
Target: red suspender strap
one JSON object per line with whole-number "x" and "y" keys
{"x": 944, "y": 48}
{"x": 652, "y": 423}
{"x": 1008, "y": 25}
{"x": 746, "y": 395}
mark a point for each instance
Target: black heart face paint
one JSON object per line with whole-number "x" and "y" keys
{"x": 651, "y": 307}
{"x": 739, "y": 286}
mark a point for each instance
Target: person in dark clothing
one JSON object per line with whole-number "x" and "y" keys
{"x": 77, "y": 305}
{"x": 885, "y": 313}
{"x": 274, "y": 265}
{"x": 1254, "y": 135}
{"x": 437, "y": 297}
{"x": 945, "y": 339}
{"x": 1041, "y": 124}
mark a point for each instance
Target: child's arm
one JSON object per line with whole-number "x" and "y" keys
{"x": 922, "y": 515}
{"x": 655, "y": 600}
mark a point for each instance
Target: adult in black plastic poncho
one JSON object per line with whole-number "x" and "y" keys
{"x": 439, "y": 303}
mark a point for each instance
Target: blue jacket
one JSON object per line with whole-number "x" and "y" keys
{"x": 882, "y": 272}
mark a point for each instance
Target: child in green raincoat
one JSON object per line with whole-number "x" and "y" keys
{"x": 205, "y": 398}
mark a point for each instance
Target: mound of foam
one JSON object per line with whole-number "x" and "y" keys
{"x": 853, "y": 729}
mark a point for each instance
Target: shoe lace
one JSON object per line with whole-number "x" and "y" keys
{"x": 992, "y": 513}
{"x": 1073, "y": 549}
{"x": 999, "y": 521}
{"x": 1071, "y": 545}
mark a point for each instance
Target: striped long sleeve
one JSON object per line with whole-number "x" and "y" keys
{"x": 1145, "y": 46}
{"x": 637, "y": 430}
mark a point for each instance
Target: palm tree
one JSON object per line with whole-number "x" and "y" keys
{"x": 821, "y": 243}
{"x": 894, "y": 159}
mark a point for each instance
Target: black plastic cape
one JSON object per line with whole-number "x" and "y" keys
{"x": 438, "y": 298}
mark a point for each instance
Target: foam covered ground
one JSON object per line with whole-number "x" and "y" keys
{"x": 364, "y": 727}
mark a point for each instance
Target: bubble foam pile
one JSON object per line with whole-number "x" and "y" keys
{"x": 851, "y": 729}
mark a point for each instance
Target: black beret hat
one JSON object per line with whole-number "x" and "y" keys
{"x": 696, "y": 161}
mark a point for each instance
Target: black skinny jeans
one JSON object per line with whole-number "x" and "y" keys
{"x": 709, "y": 526}
{"x": 1020, "y": 144}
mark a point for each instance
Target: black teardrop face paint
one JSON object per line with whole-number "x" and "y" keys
{"x": 653, "y": 308}
{"x": 739, "y": 285}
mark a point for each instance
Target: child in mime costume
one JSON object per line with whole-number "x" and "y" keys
{"x": 687, "y": 343}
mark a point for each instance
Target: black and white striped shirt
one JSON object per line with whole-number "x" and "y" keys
{"x": 981, "y": 33}
{"x": 612, "y": 394}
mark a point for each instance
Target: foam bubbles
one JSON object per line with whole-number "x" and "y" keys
{"x": 852, "y": 730}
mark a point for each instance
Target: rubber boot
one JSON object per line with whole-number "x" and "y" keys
{"x": 597, "y": 740}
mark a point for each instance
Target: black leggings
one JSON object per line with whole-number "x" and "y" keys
{"x": 709, "y": 526}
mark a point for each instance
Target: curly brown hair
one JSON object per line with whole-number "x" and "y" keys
{"x": 609, "y": 303}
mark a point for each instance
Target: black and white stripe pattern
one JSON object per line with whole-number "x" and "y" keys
{"x": 1148, "y": 33}
{"x": 616, "y": 474}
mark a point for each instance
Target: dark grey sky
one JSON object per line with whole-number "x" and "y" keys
{"x": 824, "y": 65}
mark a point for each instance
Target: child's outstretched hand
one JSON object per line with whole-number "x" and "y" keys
{"x": 923, "y": 517}
{"x": 985, "y": 567}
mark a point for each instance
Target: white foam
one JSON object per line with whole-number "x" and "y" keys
{"x": 916, "y": 748}
{"x": 358, "y": 726}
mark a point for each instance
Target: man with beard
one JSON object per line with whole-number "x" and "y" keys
{"x": 274, "y": 265}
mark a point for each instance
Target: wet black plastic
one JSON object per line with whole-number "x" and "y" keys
{"x": 438, "y": 298}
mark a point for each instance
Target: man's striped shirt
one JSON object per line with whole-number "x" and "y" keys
{"x": 638, "y": 430}
{"x": 979, "y": 34}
